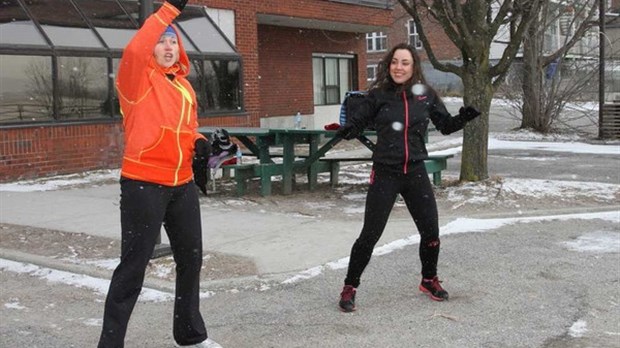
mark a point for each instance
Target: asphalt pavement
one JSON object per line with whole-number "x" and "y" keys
{"x": 548, "y": 281}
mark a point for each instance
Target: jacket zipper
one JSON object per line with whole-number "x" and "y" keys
{"x": 185, "y": 113}
{"x": 406, "y": 130}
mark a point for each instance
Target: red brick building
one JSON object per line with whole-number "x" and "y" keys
{"x": 285, "y": 56}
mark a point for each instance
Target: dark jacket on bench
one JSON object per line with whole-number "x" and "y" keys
{"x": 390, "y": 112}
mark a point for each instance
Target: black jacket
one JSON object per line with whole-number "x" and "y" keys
{"x": 386, "y": 111}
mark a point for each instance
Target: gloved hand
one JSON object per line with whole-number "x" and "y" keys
{"x": 200, "y": 163}
{"x": 347, "y": 132}
{"x": 179, "y": 4}
{"x": 468, "y": 113}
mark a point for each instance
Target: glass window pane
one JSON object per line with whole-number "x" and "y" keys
{"x": 332, "y": 94}
{"x": 383, "y": 44}
{"x": 370, "y": 72}
{"x": 331, "y": 71}
{"x": 25, "y": 89}
{"x": 331, "y": 81}
{"x": 318, "y": 81}
{"x": 110, "y": 20}
{"x": 68, "y": 29}
{"x": 83, "y": 87}
{"x": 16, "y": 28}
{"x": 217, "y": 86}
{"x": 203, "y": 33}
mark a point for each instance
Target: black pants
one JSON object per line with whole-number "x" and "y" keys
{"x": 415, "y": 188}
{"x": 144, "y": 207}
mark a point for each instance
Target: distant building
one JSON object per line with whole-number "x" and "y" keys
{"x": 403, "y": 29}
{"x": 564, "y": 22}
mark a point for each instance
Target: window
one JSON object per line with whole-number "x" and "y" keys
{"x": 371, "y": 72}
{"x": 414, "y": 38}
{"x": 551, "y": 38}
{"x": 62, "y": 68}
{"x": 376, "y": 42}
{"x": 82, "y": 88}
{"x": 29, "y": 98}
{"x": 332, "y": 78}
{"x": 216, "y": 83}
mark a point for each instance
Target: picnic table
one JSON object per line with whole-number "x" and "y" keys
{"x": 261, "y": 141}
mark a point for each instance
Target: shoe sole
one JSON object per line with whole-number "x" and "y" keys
{"x": 433, "y": 297}
{"x": 344, "y": 310}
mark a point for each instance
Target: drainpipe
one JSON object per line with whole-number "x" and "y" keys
{"x": 601, "y": 68}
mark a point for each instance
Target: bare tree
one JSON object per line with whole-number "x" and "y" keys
{"x": 543, "y": 93}
{"x": 472, "y": 26}
{"x": 40, "y": 85}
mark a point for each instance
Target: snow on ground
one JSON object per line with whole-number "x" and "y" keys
{"x": 594, "y": 242}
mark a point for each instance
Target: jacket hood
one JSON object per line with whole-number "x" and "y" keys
{"x": 180, "y": 68}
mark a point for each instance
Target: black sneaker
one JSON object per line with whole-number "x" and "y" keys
{"x": 432, "y": 288}
{"x": 347, "y": 299}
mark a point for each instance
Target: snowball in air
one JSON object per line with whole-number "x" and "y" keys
{"x": 418, "y": 89}
{"x": 397, "y": 126}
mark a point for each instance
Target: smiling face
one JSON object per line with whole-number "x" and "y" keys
{"x": 401, "y": 66}
{"x": 166, "y": 51}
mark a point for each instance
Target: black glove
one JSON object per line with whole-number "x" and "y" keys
{"x": 179, "y": 4}
{"x": 468, "y": 113}
{"x": 202, "y": 150}
{"x": 347, "y": 132}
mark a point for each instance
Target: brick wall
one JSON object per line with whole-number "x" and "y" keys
{"x": 285, "y": 65}
{"x": 31, "y": 152}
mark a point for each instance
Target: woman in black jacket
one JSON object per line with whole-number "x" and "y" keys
{"x": 399, "y": 106}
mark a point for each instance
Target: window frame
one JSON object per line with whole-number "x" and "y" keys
{"x": 376, "y": 41}
{"x": 374, "y": 68}
{"x": 351, "y": 61}
{"x": 413, "y": 36}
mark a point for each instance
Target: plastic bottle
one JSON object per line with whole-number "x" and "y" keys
{"x": 239, "y": 155}
{"x": 298, "y": 120}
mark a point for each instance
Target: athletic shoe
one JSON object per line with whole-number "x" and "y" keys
{"x": 208, "y": 343}
{"x": 432, "y": 288}
{"x": 347, "y": 299}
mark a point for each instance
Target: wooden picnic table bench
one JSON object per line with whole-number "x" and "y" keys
{"x": 434, "y": 164}
{"x": 312, "y": 163}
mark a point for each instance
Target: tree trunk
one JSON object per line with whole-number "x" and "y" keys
{"x": 474, "y": 162}
{"x": 532, "y": 83}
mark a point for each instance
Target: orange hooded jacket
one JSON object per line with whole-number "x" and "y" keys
{"x": 159, "y": 114}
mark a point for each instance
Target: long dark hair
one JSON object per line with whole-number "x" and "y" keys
{"x": 384, "y": 81}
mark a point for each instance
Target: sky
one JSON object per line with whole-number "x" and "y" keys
{"x": 595, "y": 241}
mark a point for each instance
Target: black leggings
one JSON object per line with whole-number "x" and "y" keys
{"x": 144, "y": 207}
{"x": 415, "y": 188}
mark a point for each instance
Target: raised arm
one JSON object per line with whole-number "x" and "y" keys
{"x": 447, "y": 124}
{"x": 139, "y": 51}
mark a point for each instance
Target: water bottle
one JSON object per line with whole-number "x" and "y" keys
{"x": 239, "y": 155}
{"x": 298, "y": 120}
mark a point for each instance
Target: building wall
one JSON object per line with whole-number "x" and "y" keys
{"x": 30, "y": 152}
{"x": 285, "y": 65}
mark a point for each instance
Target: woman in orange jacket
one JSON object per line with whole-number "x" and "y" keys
{"x": 160, "y": 123}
